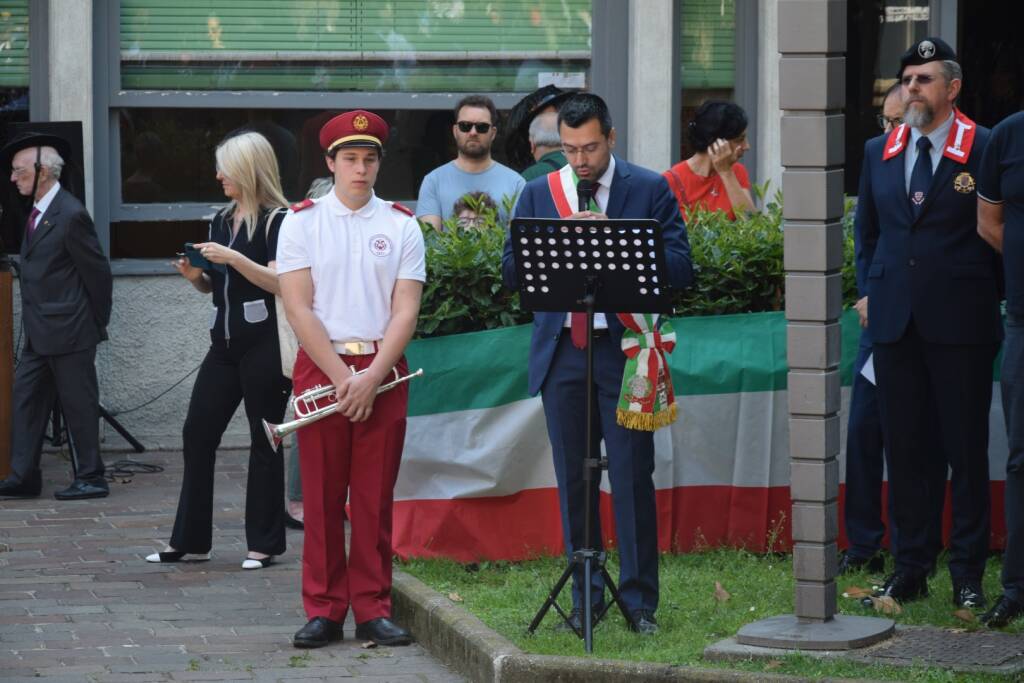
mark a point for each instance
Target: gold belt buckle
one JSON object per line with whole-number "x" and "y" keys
{"x": 357, "y": 348}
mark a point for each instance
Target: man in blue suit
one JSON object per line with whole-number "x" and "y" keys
{"x": 557, "y": 366}
{"x": 933, "y": 289}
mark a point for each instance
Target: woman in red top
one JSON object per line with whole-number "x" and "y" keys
{"x": 713, "y": 178}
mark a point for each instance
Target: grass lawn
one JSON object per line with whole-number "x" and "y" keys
{"x": 506, "y": 595}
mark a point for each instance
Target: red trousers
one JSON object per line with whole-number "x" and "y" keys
{"x": 359, "y": 461}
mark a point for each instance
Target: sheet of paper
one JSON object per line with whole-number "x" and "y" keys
{"x": 869, "y": 369}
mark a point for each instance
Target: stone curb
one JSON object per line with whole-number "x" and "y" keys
{"x": 467, "y": 645}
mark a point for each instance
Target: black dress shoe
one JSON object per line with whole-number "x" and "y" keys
{"x": 1005, "y": 611}
{"x": 901, "y": 587}
{"x": 575, "y": 621}
{"x": 318, "y": 632}
{"x": 293, "y": 523}
{"x": 849, "y": 564}
{"x": 644, "y": 622}
{"x": 14, "y": 488}
{"x": 81, "y": 489}
{"x": 383, "y": 631}
{"x": 968, "y": 593}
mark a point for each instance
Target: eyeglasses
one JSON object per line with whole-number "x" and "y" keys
{"x": 481, "y": 127}
{"x": 922, "y": 79}
{"x": 20, "y": 171}
{"x": 585, "y": 150}
{"x": 884, "y": 121}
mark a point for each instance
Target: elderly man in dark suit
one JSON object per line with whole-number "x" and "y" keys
{"x": 557, "y": 367}
{"x": 66, "y": 294}
{"x": 933, "y": 289}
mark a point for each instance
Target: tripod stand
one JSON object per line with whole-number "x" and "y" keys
{"x": 588, "y": 266}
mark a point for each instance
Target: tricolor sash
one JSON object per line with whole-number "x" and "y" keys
{"x": 647, "y": 401}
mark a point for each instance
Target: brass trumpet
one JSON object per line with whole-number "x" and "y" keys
{"x": 307, "y": 412}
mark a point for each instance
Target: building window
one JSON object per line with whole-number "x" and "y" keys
{"x": 431, "y": 46}
{"x": 708, "y": 52}
{"x": 192, "y": 72}
{"x": 14, "y": 72}
{"x": 878, "y": 33}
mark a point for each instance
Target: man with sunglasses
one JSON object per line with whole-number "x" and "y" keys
{"x": 473, "y": 170}
{"x": 557, "y": 365}
{"x": 933, "y": 288}
{"x": 865, "y": 464}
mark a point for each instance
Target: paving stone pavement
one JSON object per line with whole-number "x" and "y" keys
{"x": 79, "y": 603}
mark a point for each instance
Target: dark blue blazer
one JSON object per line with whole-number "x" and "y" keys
{"x": 636, "y": 192}
{"x": 936, "y": 270}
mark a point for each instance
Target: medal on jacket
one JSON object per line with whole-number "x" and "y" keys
{"x": 964, "y": 183}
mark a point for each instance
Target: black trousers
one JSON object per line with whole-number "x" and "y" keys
{"x": 38, "y": 382}
{"x": 958, "y": 378}
{"x": 249, "y": 371}
{"x": 1013, "y": 497}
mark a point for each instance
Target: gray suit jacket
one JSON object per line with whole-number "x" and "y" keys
{"x": 66, "y": 285}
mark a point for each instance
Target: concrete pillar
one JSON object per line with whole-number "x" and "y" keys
{"x": 768, "y": 141}
{"x": 812, "y": 42}
{"x": 70, "y": 77}
{"x": 653, "y": 116}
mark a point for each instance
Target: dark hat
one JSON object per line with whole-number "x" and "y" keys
{"x": 31, "y": 139}
{"x": 932, "y": 49}
{"x": 357, "y": 128}
{"x": 517, "y": 144}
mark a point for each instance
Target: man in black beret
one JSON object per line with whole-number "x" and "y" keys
{"x": 66, "y": 296}
{"x": 933, "y": 290}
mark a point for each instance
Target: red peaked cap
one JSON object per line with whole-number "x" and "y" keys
{"x": 357, "y": 128}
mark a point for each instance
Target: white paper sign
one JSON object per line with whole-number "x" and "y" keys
{"x": 562, "y": 79}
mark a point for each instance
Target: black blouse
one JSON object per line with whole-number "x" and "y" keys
{"x": 243, "y": 311}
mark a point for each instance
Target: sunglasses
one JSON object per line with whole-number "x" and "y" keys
{"x": 466, "y": 126}
{"x": 883, "y": 121}
{"x": 922, "y": 79}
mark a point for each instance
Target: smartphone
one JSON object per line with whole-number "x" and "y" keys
{"x": 196, "y": 259}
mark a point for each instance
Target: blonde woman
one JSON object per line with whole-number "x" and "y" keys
{"x": 243, "y": 363}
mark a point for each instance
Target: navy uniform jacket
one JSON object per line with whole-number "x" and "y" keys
{"x": 936, "y": 270}
{"x": 636, "y": 192}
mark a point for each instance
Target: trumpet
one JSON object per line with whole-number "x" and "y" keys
{"x": 307, "y": 411}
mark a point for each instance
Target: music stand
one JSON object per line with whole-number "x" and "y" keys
{"x": 607, "y": 266}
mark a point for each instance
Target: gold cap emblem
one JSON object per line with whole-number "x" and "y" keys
{"x": 360, "y": 122}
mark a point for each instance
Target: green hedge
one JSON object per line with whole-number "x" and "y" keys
{"x": 737, "y": 269}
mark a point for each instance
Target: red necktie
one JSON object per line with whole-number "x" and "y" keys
{"x": 30, "y": 225}
{"x": 578, "y": 329}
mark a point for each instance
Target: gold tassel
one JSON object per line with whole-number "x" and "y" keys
{"x": 646, "y": 422}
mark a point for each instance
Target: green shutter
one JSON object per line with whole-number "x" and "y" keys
{"x": 14, "y": 43}
{"x": 331, "y": 45}
{"x": 708, "y": 43}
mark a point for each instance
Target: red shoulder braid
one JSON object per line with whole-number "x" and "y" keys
{"x": 403, "y": 209}
{"x": 304, "y": 204}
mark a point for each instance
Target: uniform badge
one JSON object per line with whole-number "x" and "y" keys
{"x": 964, "y": 183}
{"x": 926, "y": 49}
{"x": 918, "y": 198}
{"x": 360, "y": 122}
{"x": 380, "y": 245}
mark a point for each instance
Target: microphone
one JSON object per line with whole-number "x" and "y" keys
{"x": 585, "y": 191}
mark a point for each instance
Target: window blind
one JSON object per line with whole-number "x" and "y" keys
{"x": 708, "y": 43}
{"x": 14, "y": 44}
{"x": 323, "y": 44}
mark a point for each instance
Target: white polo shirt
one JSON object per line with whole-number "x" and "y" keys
{"x": 355, "y": 258}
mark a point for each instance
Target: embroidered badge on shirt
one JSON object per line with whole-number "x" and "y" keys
{"x": 380, "y": 245}
{"x": 964, "y": 183}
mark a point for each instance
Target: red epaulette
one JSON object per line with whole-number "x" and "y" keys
{"x": 304, "y": 204}
{"x": 404, "y": 209}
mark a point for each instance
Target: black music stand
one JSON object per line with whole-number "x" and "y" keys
{"x": 607, "y": 266}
